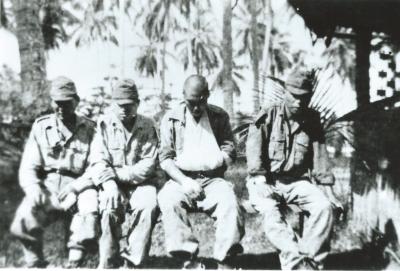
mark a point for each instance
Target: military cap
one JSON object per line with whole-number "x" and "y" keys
{"x": 300, "y": 82}
{"x": 63, "y": 89}
{"x": 125, "y": 92}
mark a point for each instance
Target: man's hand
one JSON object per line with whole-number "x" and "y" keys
{"x": 258, "y": 187}
{"x": 68, "y": 189}
{"x": 123, "y": 174}
{"x": 106, "y": 175}
{"x": 111, "y": 194}
{"x": 36, "y": 194}
{"x": 192, "y": 189}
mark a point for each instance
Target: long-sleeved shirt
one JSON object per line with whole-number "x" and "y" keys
{"x": 172, "y": 132}
{"x": 276, "y": 146}
{"x": 52, "y": 147}
{"x": 114, "y": 147}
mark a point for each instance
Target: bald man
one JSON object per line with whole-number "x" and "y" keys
{"x": 195, "y": 151}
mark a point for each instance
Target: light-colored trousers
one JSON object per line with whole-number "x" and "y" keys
{"x": 31, "y": 218}
{"x": 141, "y": 201}
{"x": 220, "y": 203}
{"x": 314, "y": 243}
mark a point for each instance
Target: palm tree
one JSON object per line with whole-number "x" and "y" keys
{"x": 197, "y": 48}
{"x": 227, "y": 82}
{"x": 252, "y": 37}
{"x": 32, "y": 53}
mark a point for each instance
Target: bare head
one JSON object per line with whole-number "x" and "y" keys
{"x": 196, "y": 93}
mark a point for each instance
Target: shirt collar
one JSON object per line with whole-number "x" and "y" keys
{"x": 179, "y": 114}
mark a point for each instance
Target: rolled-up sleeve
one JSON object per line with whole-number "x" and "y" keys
{"x": 31, "y": 163}
{"x": 255, "y": 153}
{"x": 166, "y": 149}
{"x": 145, "y": 167}
{"x": 227, "y": 143}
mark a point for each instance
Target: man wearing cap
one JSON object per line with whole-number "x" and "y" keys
{"x": 280, "y": 150}
{"x": 196, "y": 148}
{"x": 124, "y": 155}
{"x": 53, "y": 169}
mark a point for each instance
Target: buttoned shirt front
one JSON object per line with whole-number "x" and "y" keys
{"x": 276, "y": 145}
{"x": 52, "y": 147}
{"x": 114, "y": 146}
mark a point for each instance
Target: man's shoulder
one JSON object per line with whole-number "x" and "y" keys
{"x": 217, "y": 110}
{"x": 43, "y": 121}
{"x": 267, "y": 112}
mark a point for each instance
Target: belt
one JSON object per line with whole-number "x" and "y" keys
{"x": 62, "y": 172}
{"x": 287, "y": 178}
{"x": 215, "y": 173}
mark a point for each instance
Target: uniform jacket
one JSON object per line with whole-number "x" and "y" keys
{"x": 113, "y": 147}
{"x": 52, "y": 147}
{"x": 172, "y": 131}
{"x": 273, "y": 146}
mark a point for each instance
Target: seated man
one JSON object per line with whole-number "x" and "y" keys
{"x": 124, "y": 157}
{"x": 196, "y": 148}
{"x": 53, "y": 164}
{"x": 280, "y": 150}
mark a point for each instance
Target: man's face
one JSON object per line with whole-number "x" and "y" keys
{"x": 196, "y": 105}
{"x": 296, "y": 103}
{"x": 127, "y": 111}
{"x": 64, "y": 109}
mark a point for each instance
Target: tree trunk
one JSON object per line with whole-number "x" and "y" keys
{"x": 254, "y": 55}
{"x": 266, "y": 63}
{"x": 32, "y": 54}
{"x": 227, "y": 58}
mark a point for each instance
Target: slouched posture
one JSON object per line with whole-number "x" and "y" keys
{"x": 280, "y": 152}
{"x": 54, "y": 175}
{"x": 124, "y": 159}
{"x": 196, "y": 148}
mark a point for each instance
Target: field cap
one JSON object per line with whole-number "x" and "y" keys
{"x": 63, "y": 89}
{"x": 125, "y": 92}
{"x": 299, "y": 82}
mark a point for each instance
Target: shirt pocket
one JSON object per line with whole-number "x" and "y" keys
{"x": 117, "y": 152}
{"x": 302, "y": 148}
{"x": 276, "y": 150}
{"x": 76, "y": 157}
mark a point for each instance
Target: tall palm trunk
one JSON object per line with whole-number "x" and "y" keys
{"x": 265, "y": 64}
{"x": 32, "y": 53}
{"x": 254, "y": 55}
{"x": 227, "y": 81}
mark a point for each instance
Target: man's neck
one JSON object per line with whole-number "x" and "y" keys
{"x": 129, "y": 123}
{"x": 69, "y": 122}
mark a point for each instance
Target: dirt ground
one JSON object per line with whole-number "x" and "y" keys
{"x": 348, "y": 250}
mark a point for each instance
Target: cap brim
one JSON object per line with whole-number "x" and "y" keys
{"x": 124, "y": 101}
{"x": 62, "y": 99}
{"x": 298, "y": 91}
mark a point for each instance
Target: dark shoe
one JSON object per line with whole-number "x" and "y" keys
{"x": 38, "y": 264}
{"x": 306, "y": 264}
{"x": 74, "y": 264}
{"x": 193, "y": 264}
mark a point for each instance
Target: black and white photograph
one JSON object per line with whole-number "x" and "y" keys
{"x": 188, "y": 134}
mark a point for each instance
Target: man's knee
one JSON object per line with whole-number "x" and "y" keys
{"x": 25, "y": 220}
{"x": 168, "y": 199}
{"x": 321, "y": 205}
{"x": 88, "y": 202}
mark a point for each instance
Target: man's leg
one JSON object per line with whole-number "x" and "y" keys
{"x": 84, "y": 227}
{"x": 28, "y": 226}
{"x": 111, "y": 220}
{"x": 143, "y": 203}
{"x": 317, "y": 228}
{"x": 179, "y": 238}
{"x": 265, "y": 199}
{"x": 221, "y": 202}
